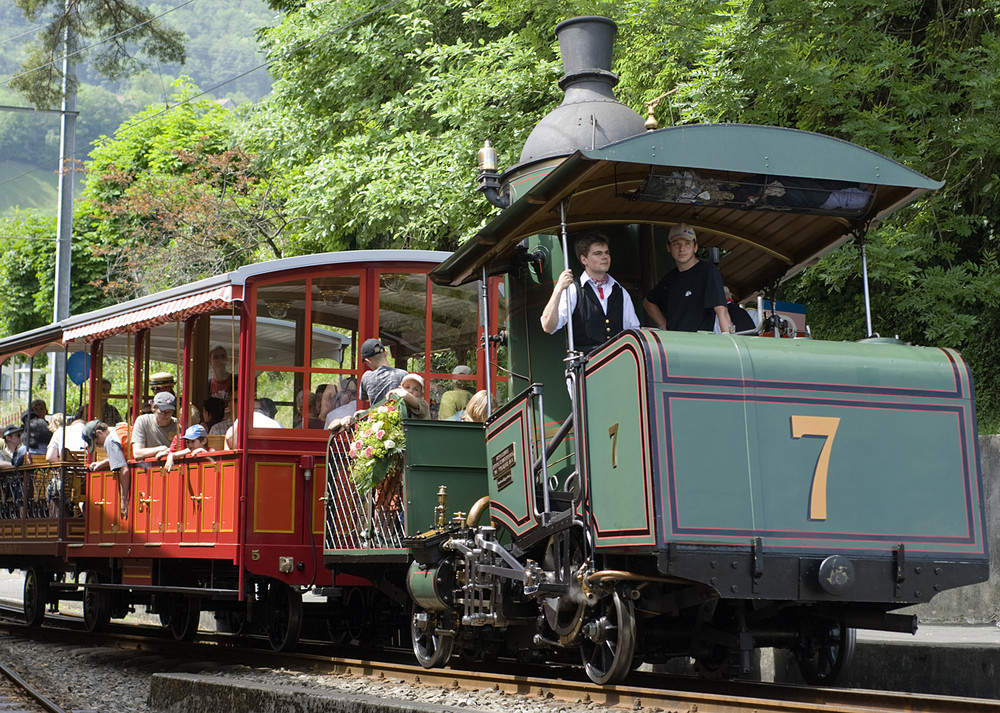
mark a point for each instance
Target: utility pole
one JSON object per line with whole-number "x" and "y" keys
{"x": 64, "y": 223}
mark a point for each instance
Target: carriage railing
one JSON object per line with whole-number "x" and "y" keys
{"x": 357, "y": 520}
{"x": 42, "y": 490}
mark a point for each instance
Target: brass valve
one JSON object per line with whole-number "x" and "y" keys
{"x": 441, "y": 508}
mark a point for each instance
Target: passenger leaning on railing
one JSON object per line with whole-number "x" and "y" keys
{"x": 153, "y": 432}
{"x": 98, "y": 433}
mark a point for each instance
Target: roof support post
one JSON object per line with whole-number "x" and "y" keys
{"x": 864, "y": 278}
{"x": 484, "y": 320}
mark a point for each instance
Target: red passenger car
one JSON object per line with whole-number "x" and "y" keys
{"x": 237, "y": 530}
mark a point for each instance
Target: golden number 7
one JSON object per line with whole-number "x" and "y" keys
{"x": 817, "y": 426}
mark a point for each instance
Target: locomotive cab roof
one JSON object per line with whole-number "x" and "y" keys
{"x": 766, "y": 196}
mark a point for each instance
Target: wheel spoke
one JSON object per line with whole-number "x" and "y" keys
{"x": 609, "y": 645}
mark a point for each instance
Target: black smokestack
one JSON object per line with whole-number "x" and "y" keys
{"x": 589, "y": 117}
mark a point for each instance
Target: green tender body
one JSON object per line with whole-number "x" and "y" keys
{"x": 731, "y": 440}
{"x": 448, "y": 453}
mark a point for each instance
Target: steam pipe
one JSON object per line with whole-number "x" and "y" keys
{"x": 472, "y": 519}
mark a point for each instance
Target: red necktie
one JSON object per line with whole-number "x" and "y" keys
{"x": 600, "y": 287}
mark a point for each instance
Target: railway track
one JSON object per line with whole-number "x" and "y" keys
{"x": 18, "y": 695}
{"x": 644, "y": 690}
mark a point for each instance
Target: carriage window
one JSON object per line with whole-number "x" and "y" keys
{"x": 454, "y": 348}
{"x": 116, "y": 368}
{"x": 280, "y": 315}
{"x": 335, "y": 323}
{"x": 402, "y": 313}
{"x": 274, "y": 398}
{"x": 502, "y": 357}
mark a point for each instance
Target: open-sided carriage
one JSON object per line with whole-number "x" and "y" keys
{"x": 237, "y": 531}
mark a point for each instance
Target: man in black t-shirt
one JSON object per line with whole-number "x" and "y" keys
{"x": 689, "y": 298}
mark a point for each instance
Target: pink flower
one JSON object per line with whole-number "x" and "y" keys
{"x": 368, "y": 452}
{"x": 380, "y": 435}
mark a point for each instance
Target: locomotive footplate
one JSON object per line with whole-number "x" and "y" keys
{"x": 888, "y": 578}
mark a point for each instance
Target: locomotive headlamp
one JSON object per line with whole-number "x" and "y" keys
{"x": 489, "y": 179}
{"x": 487, "y": 157}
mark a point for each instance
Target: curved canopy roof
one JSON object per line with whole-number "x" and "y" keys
{"x": 707, "y": 175}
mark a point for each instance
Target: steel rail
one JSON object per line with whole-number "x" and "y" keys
{"x": 35, "y": 695}
{"x": 646, "y": 690}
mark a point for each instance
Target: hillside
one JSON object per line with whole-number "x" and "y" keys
{"x": 221, "y": 45}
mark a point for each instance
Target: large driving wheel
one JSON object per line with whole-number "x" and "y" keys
{"x": 349, "y": 619}
{"x": 283, "y": 616}
{"x": 36, "y": 595}
{"x": 823, "y": 657}
{"x": 609, "y": 640}
{"x": 564, "y": 614}
{"x": 231, "y": 622}
{"x": 431, "y": 647}
{"x": 96, "y": 604}
{"x": 183, "y": 617}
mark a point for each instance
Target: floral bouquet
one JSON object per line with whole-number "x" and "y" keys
{"x": 376, "y": 445}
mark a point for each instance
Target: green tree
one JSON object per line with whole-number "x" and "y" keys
{"x": 374, "y": 123}
{"x": 172, "y": 198}
{"x": 27, "y": 274}
{"x": 121, "y": 27}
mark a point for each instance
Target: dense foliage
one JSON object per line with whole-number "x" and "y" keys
{"x": 130, "y": 36}
{"x": 171, "y": 199}
{"x": 27, "y": 276}
{"x": 370, "y": 135}
{"x": 374, "y": 124}
{"x": 220, "y": 56}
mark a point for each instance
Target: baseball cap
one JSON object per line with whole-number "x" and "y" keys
{"x": 164, "y": 401}
{"x": 161, "y": 378}
{"x": 12, "y": 429}
{"x": 371, "y": 347}
{"x": 413, "y": 377}
{"x": 195, "y": 431}
{"x": 461, "y": 369}
{"x": 682, "y": 230}
{"x": 88, "y": 434}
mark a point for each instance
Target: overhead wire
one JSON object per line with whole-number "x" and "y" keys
{"x": 27, "y": 32}
{"x": 269, "y": 62}
{"x": 95, "y": 44}
{"x": 187, "y": 100}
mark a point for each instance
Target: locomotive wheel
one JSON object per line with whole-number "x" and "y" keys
{"x": 349, "y": 621}
{"x": 96, "y": 605}
{"x": 283, "y": 616}
{"x": 609, "y": 640}
{"x": 231, "y": 622}
{"x": 431, "y": 648}
{"x": 826, "y": 656}
{"x": 183, "y": 617}
{"x": 36, "y": 595}
{"x": 564, "y": 614}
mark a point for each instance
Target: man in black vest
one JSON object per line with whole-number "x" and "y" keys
{"x": 603, "y": 307}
